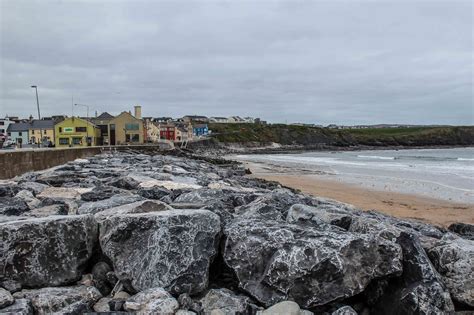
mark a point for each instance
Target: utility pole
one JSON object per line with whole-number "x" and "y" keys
{"x": 39, "y": 114}
{"x": 87, "y": 126}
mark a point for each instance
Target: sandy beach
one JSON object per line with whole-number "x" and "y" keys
{"x": 439, "y": 212}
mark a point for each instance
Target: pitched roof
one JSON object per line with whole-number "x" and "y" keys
{"x": 18, "y": 127}
{"x": 105, "y": 115}
{"x": 45, "y": 124}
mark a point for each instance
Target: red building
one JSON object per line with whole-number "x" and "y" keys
{"x": 168, "y": 132}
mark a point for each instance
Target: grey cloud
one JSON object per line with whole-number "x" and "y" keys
{"x": 308, "y": 61}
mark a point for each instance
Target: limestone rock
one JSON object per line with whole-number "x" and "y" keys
{"x": 276, "y": 261}
{"x": 154, "y": 192}
{"x": 46, "y": 251}
{"x": 13, "y": 206}
{"x": 282, "y": 308}
{"x": 46, "y": 211}
{"x": 345, "y": 310}
{"x": 75, "y": 299}
{"x": 35, "y": 187}
{"x": 114, "y": 201}
{"x": 63, "y": 193}
{"x": 6, "y": 298}
{"x": 225, "y": 301}
{"x": 453, "y": 257}
{"x": 29, "y": 198}
{"x": 152, "y": 301}
{"x": 170, "y": 249}
{"x": 419, "y": 290}
{"x": 463, "y": 229}
{"x": 19, "y": 307}
{"x": 100, "y": 193}
{"x": 102, "y": 305}
{"x": 142, "y": 206}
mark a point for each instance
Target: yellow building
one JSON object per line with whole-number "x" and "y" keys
{"x": 126, "y": 128}
{"x": 41, "y": 131}
{"x": 75, "y": 132}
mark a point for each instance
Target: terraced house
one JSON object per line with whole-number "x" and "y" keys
{"x": 76, "y": 132}
{"x": 126, "y": 128}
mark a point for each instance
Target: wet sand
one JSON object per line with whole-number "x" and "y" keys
{"x": 439, "y": 212}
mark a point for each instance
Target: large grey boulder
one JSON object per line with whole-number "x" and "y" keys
{"x": 170, "y": 249}
{"x": 13, "y": 206}
{"x": 345, "y": 310}
{"x": 101, "y": 205}
{"x": 142, "y": 206}
{"x": 61, "y": 300}
{"x": 152, "y": 301}
{"x": 284, "y": 308}
{"x": 419, "y": 290}
{"x": 464, "y": 230}
{"x": 453, "y": 257}
{"x": 276, "y": 261}
{"x": 225, "y": 301}
{"x": 19, "y": 307}
{"x": 6, "y": 298}
{"x": 46, "y": 251}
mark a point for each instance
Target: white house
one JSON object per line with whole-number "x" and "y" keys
{"x": 19, "y": 132}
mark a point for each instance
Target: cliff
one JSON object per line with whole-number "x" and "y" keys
{"x": 289, "y": 135}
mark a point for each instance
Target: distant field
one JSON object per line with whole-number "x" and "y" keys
{"x": 303, "y": 135}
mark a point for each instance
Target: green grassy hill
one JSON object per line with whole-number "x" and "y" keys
{"x": 306, "y": 136}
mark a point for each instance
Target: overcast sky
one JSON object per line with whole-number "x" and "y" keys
{"x": 346, "y": 62}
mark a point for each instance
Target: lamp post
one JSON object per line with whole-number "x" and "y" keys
{"x": 39, "y": 114}
{"x": 87, "y": 129}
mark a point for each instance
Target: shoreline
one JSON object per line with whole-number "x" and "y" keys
{"x": 430, "y": 210}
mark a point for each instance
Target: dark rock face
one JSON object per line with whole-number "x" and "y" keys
{"x": 19, "y": 307}
{"x": 419, "y": 290}
{"x": 170, "y": 249}
{"x": 463, "y": 229}
{"x": 276, "y": 261}
{"x": 453, "y": 257}
{"x": 162, "y": 218}
{"x": 154, "y": 192}
{"x": 13, "y": 206}
{"x": 47, "y": 251}
{"x": 62, "y": 300}
{"x": 114, "y": 201}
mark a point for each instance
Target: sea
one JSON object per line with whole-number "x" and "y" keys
{"x": 446, "y": 174}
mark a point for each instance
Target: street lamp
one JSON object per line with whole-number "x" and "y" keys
{"x": 39, "y": 114}
{"x": 87, "y": 129}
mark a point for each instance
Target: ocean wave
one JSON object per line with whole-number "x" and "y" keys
{"x": 465, "y": 159}
{"x": 376, "y": 157}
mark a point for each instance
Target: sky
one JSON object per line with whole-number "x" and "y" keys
{"x": 322, "y": 62}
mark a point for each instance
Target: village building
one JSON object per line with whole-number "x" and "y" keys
{"x": 167, "y": 131}
{"x": 219, "y": 120}
{"x": 126, "y": 128}
{"x": 102, "y": 122}
{"x": 200, "y": 130}
{"x": 4, "y": 123}
{"x": 41, "y": 131}
{"x": 152, "y": 131}
{"x": 75, "y": 132}
{"x": 193, "y": 118}
{"x": 18, "y": 132}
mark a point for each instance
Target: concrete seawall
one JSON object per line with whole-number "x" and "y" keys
{"x": 14, "y": 163}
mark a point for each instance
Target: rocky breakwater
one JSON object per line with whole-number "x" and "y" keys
{"x": 135, "y": 233}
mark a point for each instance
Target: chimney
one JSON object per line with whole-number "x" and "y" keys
{"x": 138, "y": 112}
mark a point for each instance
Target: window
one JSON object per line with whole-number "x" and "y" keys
{"x": 81, "y": 129}
{"x": 2, "y": 123}
{"x": 20, "y": 133}
{"x": 60, "y": 129}
{"x": 127, "y": 138}
{"x": 76, "y": 140}
{"x": 131, "y": 126}
{"x": 63, "y": 141}
{"x": 136, "y": 137}
{"x": 2, "y": 130}
{"x": 9, "y": 134}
